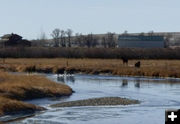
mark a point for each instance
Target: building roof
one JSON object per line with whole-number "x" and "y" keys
{"x": 7, "y": 36}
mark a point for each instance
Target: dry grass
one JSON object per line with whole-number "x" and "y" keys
{"x": 9, "y": 106}
{"x": 157, "y": 68}
{"x": 21, "y": 87}
{"x": 24, "y": 87}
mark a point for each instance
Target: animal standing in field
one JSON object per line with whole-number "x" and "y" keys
{"x": 31, "y": 69}
{"x": 60, "y": 71}
{"x": 138, "y": 64}
{"x": 125, "y": 60}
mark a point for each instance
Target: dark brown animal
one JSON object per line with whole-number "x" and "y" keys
{"x": 125, "y": 60}
{"x": 138, "y": 64}
{"x": 60, "y": 71}
{"x": 31, "y": 69}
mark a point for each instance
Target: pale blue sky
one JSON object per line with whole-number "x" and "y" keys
{"x": 30, "y": 17}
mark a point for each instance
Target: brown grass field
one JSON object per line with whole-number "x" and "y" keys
{"x": 14, "y": 88}
{"x": 153, "y": 68}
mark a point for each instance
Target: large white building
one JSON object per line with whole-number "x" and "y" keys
{"x": 141, "y": 41}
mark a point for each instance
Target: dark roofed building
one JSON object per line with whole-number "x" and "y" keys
{"x": 14, "y": 40}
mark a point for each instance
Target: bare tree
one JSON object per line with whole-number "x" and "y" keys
{"x": 95, "y": 41}
{"x": 88, "y": 40}
{"x": 43, "y": 36}
{"x": 110, "y": 39}
{"x": 69, "y": 33}
{"x": 42, "y": 39}
{"x": 79, "y": 40}
{"x": 63, "y": 39}
{"x": 56, "y": 35}
{"x": 104, "y": 42}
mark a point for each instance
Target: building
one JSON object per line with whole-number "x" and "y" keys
{"x": 14, "y": 40}
{"x": 141, "y": 41}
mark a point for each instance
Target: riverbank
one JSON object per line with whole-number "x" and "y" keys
{"x": 15, "y": 88}
{"x": 152, "y": 68}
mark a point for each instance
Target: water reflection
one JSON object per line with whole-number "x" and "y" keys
{"x": 124, "y": 83}
{"x": 65, "y": 78}
{"x": 61, "y": 79}
{"x": 137, "y": 84}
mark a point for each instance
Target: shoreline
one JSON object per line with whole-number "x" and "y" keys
{"x": 148, "y": 77}
{"x": 90, "y": 72}
{"x": 14, "y": 89}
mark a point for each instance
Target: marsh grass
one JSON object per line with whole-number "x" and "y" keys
{"x": 14, "y": 88}
{"x": 11, "y": 106}
{"x": 154, "y": 68}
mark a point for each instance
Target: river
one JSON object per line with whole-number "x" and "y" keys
{"x": 156, "y": 95}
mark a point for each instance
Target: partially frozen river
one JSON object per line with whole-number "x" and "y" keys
{"x": 156, "y": 95}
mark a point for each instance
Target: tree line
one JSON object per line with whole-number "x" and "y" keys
{"x": 103, "y": 53}
{"x": 66, "y": 38}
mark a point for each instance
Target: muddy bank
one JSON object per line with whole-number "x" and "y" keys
{"x": 98, "y": 102}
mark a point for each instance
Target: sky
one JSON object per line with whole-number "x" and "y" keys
{"x": 30, "y": 18}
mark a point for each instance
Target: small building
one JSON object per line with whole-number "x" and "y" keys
{"x": 14, "y": 40}
{"x": 141, "y": 41}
